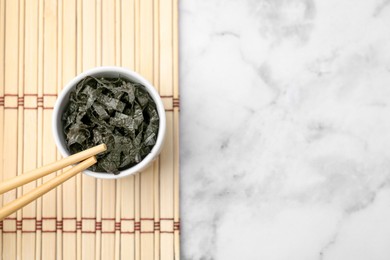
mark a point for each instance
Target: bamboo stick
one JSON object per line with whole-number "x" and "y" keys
{"x": 20, "y": 118}
{"x": 128, "y": 34}
{"x": 44, "y": 188}
{"x": 117, "y": 219}
{"x": 166, "y": 168}
{"x": 49, "y": 213}
{"x": 30, "y": 162}
{"x": 38, "y": 233}
{"x": 25, "y": 178}
{"x": 30, "y": 125}
{"x": 2, "y": 41}
{"x": 127, "y": 218}
{"x": 137, "y": 214}
{"x": 175, "y": 41}
{"x": 167, "y": 192}
{"x": 10, "y": 119}
{"x": 166, "y": 59}
{"x": 176, "y": 183}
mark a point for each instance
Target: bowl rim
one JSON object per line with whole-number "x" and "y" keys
{"x": 160, "y": 109}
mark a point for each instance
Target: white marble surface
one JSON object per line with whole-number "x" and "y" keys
{"x": 285, "y": 145}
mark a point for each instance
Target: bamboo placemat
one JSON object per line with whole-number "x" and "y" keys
{"x": 44, "y": 44}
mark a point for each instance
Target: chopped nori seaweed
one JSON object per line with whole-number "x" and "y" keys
{"x": 114, "y": 111}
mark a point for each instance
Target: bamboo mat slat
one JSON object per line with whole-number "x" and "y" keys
{"x": 69, "y": 190}
{"x": 30, "y": 122}
{"x": 2, "y": 80}
{"x": 43, "y": 45}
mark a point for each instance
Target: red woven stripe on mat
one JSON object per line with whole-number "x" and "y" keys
{"x": 17, "y": 225}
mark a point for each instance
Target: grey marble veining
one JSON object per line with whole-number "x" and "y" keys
{"x": 285, "y": 129}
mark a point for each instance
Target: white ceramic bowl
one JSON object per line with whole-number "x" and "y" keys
{"x": 62, "y": 102}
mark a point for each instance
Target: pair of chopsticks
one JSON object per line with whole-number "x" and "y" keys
{"x": 86, "y": 159}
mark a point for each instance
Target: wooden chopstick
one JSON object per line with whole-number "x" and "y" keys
{"x": 47, "y": 169}
{"x": 44, "y": 188}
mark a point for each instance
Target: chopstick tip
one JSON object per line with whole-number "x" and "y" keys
{"x": 104, "y": 146}
{"x": 94, "y": 159}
